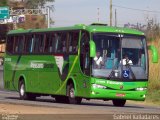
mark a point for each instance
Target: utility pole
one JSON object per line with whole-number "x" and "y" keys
{"x": 98, "y": 15}
{"x": 48, "y": 17}
{"x": 115, "y": 18}
{"x": 110, "y": 12}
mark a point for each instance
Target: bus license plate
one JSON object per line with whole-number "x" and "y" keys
{"x": 120, "y": 95}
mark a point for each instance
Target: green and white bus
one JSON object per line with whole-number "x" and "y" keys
{"x": 78, "y": 62}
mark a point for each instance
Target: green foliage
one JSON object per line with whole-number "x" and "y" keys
{"x": 1, "y": 55}
{"x": 3, "y": 3}
{"x": 36, "y": 3}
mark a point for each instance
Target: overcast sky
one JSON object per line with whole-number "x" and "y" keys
{"x": 70, "y": 12}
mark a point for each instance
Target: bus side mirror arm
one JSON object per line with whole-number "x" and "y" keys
{"x": 154, "y": 53}
{"x": 92, "y": 48}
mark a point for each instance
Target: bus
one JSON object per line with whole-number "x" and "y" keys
{"x": 78, "y": 62}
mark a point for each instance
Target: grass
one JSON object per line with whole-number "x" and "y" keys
{"x": 154, "y": 69}
{"x": 154, "y": 76}
{"x": 153, "y": 97}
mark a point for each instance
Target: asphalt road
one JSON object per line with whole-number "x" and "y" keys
{"x": 96, "y": 105}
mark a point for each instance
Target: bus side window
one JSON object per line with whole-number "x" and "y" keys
{"x": 56, "y": 42}
{"x": 73, "y": 42}
{"x": 61, "y": 43}
{"x": 36, "y": 43}
{"x": 64, "y": 42}
{"x": 46, "y": 45}
{"x": 19, "y": 44}
{"x": 52, "y": 43}
{"x": 10, "y": 43}
{"x": 32, "y": 44}
{"x": 15, "y": 47}
{"x": 41, "y": 43}
{"x": 28, "y": 44}
{"x": 49, "y": 44}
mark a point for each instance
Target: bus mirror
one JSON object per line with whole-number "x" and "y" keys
{"x": 154, "y": 53}
{"x": 92, "y": 49}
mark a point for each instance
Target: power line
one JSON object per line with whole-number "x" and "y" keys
{"x": 136, "y": 9}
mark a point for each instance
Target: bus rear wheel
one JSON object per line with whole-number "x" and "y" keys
{"x": 119, "y": 103}
{"x": 71, "y": 95}
{"x": 23, "y": 94}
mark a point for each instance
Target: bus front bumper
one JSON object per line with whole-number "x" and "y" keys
{"x": 98, "y": 93}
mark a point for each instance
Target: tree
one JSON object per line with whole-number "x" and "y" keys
{"x": 36, "y": 3}
{"x": 3, "y": 2}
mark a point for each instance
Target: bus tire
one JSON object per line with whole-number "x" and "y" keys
{"x": 22, "y": 92}
{"x": 71, "y": 96}
{"x": 119, "y": 103}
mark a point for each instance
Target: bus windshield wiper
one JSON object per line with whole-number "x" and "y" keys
{"x": 130, "y": 69}
{"x": 112, "y": 72}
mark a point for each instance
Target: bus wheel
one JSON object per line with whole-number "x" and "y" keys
{"x": 119, "y": 103}
{"x": 71, "y": 96}
{"x": 22, "y": 92}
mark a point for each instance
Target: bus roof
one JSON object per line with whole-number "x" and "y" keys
{"x": 90, "y": 28}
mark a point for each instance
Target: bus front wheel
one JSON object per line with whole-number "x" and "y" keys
{"x": 23, "y": 94}
{"x": 119, "y": 103}
{"x": 71, "y": 95}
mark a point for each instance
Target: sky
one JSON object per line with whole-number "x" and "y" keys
{"x": 71, "y": 12}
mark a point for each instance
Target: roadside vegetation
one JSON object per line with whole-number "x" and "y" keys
{"x": 153, "y": 36}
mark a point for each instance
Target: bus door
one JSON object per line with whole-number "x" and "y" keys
{"x": 84, "y": 63}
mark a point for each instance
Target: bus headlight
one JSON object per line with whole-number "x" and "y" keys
{"x": 141, "y": 89}
{"x": 98, "y": 86}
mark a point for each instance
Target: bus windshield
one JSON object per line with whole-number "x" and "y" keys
{"x": 120, "y": 57}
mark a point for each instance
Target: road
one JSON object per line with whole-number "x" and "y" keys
{"x": 92, "y": 105}
{"x": 11, "y": 104}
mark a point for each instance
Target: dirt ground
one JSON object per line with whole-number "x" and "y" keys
{"x": 23, "y": 109}
{"x": 23, "y": 112}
